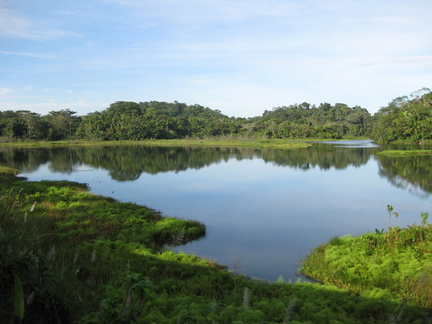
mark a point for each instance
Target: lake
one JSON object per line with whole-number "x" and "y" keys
{"x": 264, "y": 209}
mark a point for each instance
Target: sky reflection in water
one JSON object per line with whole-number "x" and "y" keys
{"x": 263, "y": 218}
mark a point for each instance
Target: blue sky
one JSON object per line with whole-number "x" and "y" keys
{"x": 241, "y": 57}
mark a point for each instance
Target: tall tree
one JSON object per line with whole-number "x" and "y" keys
{"x": 62, "y": 124}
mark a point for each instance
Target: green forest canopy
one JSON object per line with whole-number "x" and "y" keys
{"x": 405, "y": 118}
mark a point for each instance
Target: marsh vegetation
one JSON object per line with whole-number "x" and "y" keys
{"x": 72, "y": 256}
{"x": 394, "y": 263}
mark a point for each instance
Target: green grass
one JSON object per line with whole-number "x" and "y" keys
{"x": 85, "y": 258}
{"x": 221, "y": 142}
{"x": 225, "y": 141}
{"x": 409, "y": 141}
{"x": 396, "y": 264}
{"x": 404, "y": 153}
{"x": 4, "y": 169}
{"x": 213, "y": 142}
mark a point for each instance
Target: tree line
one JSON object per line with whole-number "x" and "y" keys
{"x": 403, "y": 118}
{"x": 161, "y": 120}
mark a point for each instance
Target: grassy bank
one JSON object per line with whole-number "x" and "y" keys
{"x": 410, "y": 142}
{"x": 227, "y": 141}
{"x": 7, "y": 170}
{"x": 289, "y": 144}
{"x": 72, "y": 257}
{"x": 396, "y": 263}
{"x": 405, "y": 153}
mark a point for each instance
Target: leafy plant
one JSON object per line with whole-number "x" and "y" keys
{"x": 391, "y": 213}
{"x": 394, "y": 262}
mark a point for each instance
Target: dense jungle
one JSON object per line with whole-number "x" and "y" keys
{"x": 407, "y": 118}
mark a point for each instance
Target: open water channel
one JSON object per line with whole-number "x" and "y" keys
{"x": 264, "y": 209}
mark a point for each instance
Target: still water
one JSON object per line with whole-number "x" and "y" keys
{"x": 264, "y": 209}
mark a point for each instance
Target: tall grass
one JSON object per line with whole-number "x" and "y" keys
{"x": 27, "y": 283}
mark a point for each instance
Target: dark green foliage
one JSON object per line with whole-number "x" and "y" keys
{"x": 61, "y": 124}
{"x": 22, "y": 124}
{"x": 161, "y": 120}
{"x": 405, "y": 119}
{"x": 155, "y": 120}
{"x": 324, "y": 121}
{"x": 27, "y": 284}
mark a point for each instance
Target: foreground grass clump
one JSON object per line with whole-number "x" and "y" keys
{"x": 72, "y": 257}
{"x": 396, "y": 264}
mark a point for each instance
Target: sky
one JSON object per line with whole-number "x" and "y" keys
{"x": 241, "y": 57}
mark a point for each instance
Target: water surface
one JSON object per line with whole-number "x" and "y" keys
{"x": 264, "y": 209}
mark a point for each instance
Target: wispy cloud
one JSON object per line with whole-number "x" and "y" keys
{"x": 28, "y": 54}
{"x": 239, "y": 56}
{"x": 4, "y": 91}
{"x": 13, "y": 25}
{"x": 210, "y": 11}
{"x": 405, "y": 60}
{"x": 79, "y": 13}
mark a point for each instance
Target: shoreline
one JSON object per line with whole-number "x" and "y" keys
{"x": 168, "y": 277}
